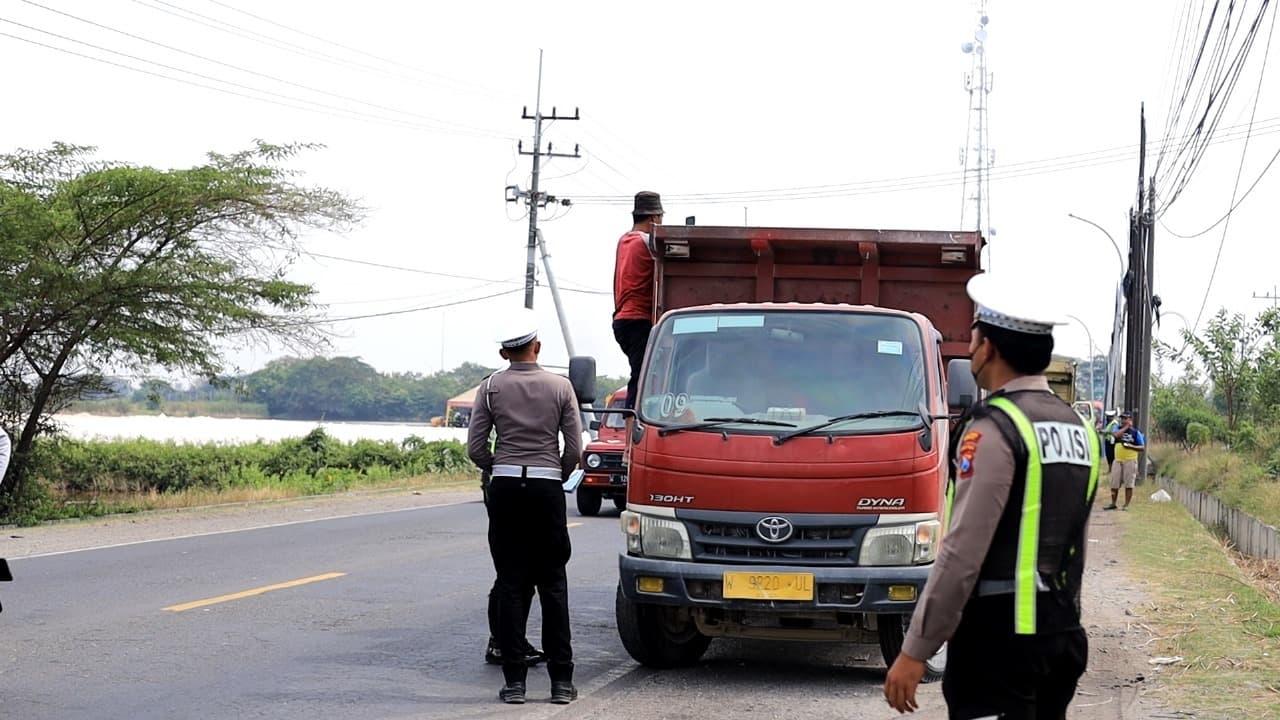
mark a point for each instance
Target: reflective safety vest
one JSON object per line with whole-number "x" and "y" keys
{"x": 1056, "y": 448}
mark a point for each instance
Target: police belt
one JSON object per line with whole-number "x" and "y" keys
{"x": 987, "y": 588}
{"x": 524, "y": 471}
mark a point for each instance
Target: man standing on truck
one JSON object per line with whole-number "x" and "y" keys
{"x": 1004, "y": 592}
{"x": 633, "y": 291}
{"x": 530, "y": 409}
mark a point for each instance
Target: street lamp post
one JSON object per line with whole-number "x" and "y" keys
{"x": 1114, "y": 244}
{"x": 1089, "y": 335}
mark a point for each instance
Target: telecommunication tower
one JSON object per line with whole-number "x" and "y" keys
{"x": 977, "y": 155}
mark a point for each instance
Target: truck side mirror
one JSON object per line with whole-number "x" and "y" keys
{"x": 962, "y": 388}
{"x": 582, "y": 374}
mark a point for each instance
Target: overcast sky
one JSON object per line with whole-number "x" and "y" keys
{"x": 419, "y": 105}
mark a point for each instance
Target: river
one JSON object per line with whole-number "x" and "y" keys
{"x": 238, "y": 430}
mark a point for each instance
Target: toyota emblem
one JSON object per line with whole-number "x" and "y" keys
{"x": 774, "y": 529}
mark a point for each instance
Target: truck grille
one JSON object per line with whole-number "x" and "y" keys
{"x": 814, "y": 541}
{"x": 610, "y": 462}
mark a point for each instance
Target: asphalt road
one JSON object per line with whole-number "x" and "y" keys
{"x": 373, "y": 616}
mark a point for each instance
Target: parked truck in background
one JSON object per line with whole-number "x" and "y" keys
{"x": 790, "y": 450}
{"x": 1061, "y": 375}
{"x": 604, "y": 476}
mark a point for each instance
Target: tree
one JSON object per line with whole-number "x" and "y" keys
{"x": 1230, "y": 350}
{"x": 110, "y": 266}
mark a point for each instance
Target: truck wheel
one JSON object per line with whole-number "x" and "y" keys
{"x": 620, "y": 502}
{"x": 588, "y": 501}
{"x": 893, "y": 630}
{"x": 658, "y": 636}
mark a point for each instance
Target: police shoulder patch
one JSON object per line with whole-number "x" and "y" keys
{"x": 968, "y": 450}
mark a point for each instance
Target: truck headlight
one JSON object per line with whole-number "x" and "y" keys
{"x": 914, "y": 544}
{"x": 655, "y": 537}
{"x": 593, "y": 460}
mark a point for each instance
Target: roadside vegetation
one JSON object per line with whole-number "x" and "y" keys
{"x": 1218, "y": 612}
{"x": 85, "y": 479}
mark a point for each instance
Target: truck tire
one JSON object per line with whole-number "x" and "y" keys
{"x": 588, "y": 501}
{"x": 893, "y": 630}
{"x": 658, "y": 636}
{"x": 620, "y": 502}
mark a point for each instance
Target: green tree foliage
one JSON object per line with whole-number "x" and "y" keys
{"x": 1230, "y": 350}
{"x": 110, "y": 265}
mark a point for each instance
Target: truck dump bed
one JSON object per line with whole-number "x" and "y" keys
{"x": 912, "y": 270}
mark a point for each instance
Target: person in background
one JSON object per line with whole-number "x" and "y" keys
{"x": 1129, "y": 443}
{"x": 1111, "y": 425}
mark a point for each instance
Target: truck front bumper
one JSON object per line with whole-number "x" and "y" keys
{"x": 836, "y": 589}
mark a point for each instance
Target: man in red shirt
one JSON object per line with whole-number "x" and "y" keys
{"x": 633, "y": 292}
{"x": 633, "y": 286}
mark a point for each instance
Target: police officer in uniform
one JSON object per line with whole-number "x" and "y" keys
{"x": 1005, "y": 590}
{"x": 529, "y": 408}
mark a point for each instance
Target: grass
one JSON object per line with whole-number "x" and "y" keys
{"x": 1205, "y": 609}
{"x": 1231, "y": 477}
{"x": 110, "y": 503}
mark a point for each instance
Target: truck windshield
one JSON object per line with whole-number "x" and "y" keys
{"x": 800, "y": 367}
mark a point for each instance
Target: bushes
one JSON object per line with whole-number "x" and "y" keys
{"x": 316, "y": 461}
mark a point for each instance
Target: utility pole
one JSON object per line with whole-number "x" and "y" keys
{"x": 1273, "y": 297}
{"x": 534, "y": 198}
{"x": 1137, "y": 390}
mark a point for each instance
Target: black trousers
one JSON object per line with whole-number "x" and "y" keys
{"x": 632, "y": 336}
{"x": 493, "y": 592}
{"x": 993, "y": 672}
{"x": 529, "y": 541}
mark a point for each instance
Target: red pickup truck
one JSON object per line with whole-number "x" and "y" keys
{"x": 604, "y": 476}
{"x": 790, "y": 449}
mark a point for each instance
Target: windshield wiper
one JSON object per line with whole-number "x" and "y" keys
{"x": 716, "y": 421}
{"x": 843, "y": 418}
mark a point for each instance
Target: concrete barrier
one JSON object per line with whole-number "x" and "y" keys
{"x": 1250, "y": 535}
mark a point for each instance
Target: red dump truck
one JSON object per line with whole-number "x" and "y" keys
{"x": 789, "y": 453}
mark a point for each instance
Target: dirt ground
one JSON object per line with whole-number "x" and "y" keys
{"x": 1118, "y": 683}
{"x": 1120, "y": 679}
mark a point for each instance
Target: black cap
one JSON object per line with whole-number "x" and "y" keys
{"x": 647, "y": 203}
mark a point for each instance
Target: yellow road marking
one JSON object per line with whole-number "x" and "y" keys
{"x": 250, "y": 593}
{"x": 573, "y": 524}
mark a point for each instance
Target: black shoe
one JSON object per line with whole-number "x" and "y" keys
{"x": 512, "y": 693}
{"x": 563, "y": 692}
{"x": 532, "y": 656}
{"x": 492, "y": 654}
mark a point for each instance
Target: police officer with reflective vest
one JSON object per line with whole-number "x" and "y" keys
{"x": 529, "y": 409}
{"x": 1004, "y": 592}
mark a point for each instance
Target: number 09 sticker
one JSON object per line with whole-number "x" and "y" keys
{"x": 673, "y": 405}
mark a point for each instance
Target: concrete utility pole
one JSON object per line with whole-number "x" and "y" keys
{"x": 534, "y": 198}
{"x": 1137, "y": 391}
{"x": 1273, "y": 297}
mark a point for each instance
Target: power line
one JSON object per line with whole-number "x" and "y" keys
{"x": 1009, "y": 171}
{"x": 262, "y": 39}
{"x": 1230, "y": 210}
{"x": 324, "y": 108}
{"x": 250, "y": 71}
{"x": 388, "y": 313}
{"x": 420, "y": 271}
{"x": 1239, "y": 171}
{"x": 348, "y": 48}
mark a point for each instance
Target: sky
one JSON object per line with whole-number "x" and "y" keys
{"x": 804, "y": 114}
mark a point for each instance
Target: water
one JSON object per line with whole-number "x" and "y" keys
{"x": 238, "y": 430}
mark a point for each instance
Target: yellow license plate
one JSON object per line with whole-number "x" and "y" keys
{"x": 768, "y": 586}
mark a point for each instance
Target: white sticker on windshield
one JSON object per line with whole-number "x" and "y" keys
{"x": 889, "y": 347}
